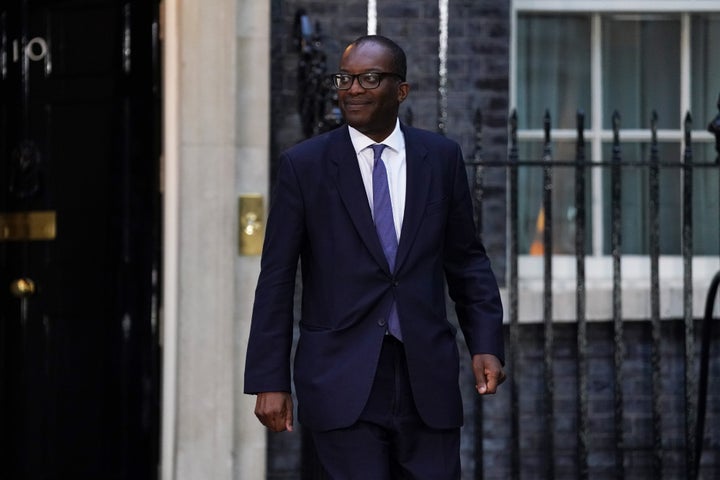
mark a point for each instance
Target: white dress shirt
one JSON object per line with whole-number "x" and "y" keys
{"x": 394, "y": 157}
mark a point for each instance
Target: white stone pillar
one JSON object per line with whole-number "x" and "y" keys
{"x": 252, "y": 176}
{"x": 216, "y": 147}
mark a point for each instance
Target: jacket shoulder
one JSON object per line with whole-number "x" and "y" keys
{"x": 318, "y": 143}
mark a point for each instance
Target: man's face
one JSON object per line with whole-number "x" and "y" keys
{"x": 373, "y": 112}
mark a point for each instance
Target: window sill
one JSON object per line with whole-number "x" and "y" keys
{"x": 636, "y": 295}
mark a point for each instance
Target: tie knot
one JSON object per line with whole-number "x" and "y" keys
{"x": 377, "y": 150}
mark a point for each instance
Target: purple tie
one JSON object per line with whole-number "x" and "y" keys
{"x": 385, "y": 226}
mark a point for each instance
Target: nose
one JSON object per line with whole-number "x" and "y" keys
{"x": 355, "y": 85}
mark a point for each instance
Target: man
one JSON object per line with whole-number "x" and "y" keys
{"x": 376, "y": 367}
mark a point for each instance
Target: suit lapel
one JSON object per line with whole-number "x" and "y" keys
{"x": 417, "y": 189}
{"x": 346, "y": 172}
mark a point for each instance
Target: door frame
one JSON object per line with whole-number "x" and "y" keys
{"x": 235, "y": 40}
{"x": 169, "y": 25}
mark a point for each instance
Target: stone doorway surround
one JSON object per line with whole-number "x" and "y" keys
{"x": 216, "y": 112}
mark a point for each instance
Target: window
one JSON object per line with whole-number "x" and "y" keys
{"x": 602, "y": 57}
{"x": 636, "y": 57}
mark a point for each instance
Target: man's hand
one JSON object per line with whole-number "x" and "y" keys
{"x": 275, "y": 410}
{"x": 488, "y": 373}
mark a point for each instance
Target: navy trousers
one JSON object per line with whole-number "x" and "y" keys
{"x": 390, "y": 441}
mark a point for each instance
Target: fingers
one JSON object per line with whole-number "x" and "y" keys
{"x": 488, "y": 373}
{"x": 494, "y": 378}
{"x": 289, "y": 417}
{"x": 275, "y": 410}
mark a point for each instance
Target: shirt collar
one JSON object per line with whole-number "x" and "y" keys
{"x": 360, "y": 142}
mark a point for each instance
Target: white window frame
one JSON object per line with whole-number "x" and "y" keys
{"x": 635, "y": 268}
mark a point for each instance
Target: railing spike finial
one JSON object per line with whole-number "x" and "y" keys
{"x": 580, "y": 122}
{"x": 580, "y": 119}
{"x": 616, "y": 126}
{"x": 478, "y": 119}
{"x": 477, "y": 123}
{"x": 546, "y": 126}
{"x": 653, "y": 126}
{"x": 513, "y": 127}
{"x": 688, "y": 129}
{"x": 714, "y": 128}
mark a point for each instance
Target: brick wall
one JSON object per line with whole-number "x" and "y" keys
{"x": 602, "y": 442}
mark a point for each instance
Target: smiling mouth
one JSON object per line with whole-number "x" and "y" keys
{"x": 356, "y": 105}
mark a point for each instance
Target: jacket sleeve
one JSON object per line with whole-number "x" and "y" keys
{"x": 471, "y": 282}
{"x": 267, "y": 367}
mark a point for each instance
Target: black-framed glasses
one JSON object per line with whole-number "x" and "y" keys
{"x": 368, "y": 81}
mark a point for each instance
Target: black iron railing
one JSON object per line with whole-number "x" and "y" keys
{"x": 695, "y": 389}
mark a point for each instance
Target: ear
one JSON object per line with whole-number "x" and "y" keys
{"x": 403, "y": 91}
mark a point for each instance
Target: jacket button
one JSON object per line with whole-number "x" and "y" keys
{"x": 396, "y": 283}
{"x": 381, "y": 322}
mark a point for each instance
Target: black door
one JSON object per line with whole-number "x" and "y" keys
{"x": 79, "y": 239}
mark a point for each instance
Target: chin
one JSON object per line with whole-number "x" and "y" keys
{"x": 357, "y": 123}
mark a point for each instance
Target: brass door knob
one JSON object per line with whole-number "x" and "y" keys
{"x": 22, "y": 287}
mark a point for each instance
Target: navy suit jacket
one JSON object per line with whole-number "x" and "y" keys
{"x": 320, "y": 214}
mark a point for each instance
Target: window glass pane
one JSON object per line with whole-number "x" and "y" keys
{"x": 553, "y": 71}
{"x": 530, "y": 187}
{"x": 706, "y": 197}
{"x": 635, "y": 199}
{"x": 641, "y": 70}
{"x": 704, "y": 98}
{"x": 564, "y": 213}
{"x": 705, "y": 68}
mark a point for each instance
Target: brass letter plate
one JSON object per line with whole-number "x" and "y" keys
{"x": 251, "y": 223}
{"x": 37, "y": 225}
